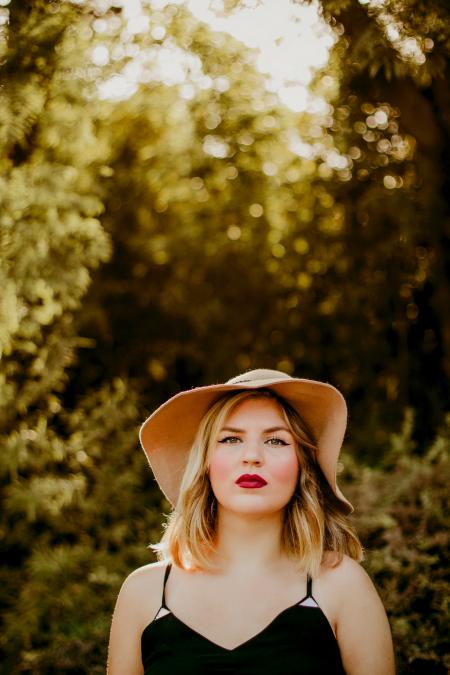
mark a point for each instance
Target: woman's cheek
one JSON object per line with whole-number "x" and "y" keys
{"x": 219, "y": 467}
{"x": 285, "y": 469}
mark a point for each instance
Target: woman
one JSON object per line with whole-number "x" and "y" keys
{"x": 259, "y": 569}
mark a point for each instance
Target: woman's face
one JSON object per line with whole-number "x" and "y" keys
{"x": 254, "y": 441}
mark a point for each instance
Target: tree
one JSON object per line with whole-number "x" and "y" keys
{"x": 392, "y": 120}
{"x": 401, "y": 518}
{"x": 177, "y": 236}
{"x": 52, "y": 240}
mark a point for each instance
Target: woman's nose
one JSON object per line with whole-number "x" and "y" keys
{"x": 252, "y": 453}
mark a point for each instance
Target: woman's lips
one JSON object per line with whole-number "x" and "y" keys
{"x": 250, "y": 481}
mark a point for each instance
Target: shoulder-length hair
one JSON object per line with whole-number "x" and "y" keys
{"x": 314, "y": 521}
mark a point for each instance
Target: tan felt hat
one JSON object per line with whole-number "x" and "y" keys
{"x": 167, "y": 435}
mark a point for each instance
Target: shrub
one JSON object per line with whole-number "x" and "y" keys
{"x": 403, "y": 520}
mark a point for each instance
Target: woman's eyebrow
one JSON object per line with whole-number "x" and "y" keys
{"x": 265, "y": 431}
{"x": 272, "y": 429}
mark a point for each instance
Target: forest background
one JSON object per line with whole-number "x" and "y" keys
{"x": 187, "y": 232}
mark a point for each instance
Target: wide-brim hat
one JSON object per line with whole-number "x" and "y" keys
{"x": 168, "y": 434}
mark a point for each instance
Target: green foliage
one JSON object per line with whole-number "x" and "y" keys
{"x": 348, "y": 256}
{"x": 51, "y": 240}
{"x": 391, "y": 121}
{"x": 180, "y": 235}
{"x": 50, "y": 209}
{"x": 402, "y": 518}
{"x": 80, "y": 521}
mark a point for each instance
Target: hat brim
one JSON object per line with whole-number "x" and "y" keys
{"x": 167, "y": 435}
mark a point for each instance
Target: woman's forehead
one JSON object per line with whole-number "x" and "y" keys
{"x": 255, "y": 408}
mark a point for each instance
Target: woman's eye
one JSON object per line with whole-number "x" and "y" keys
{"x": 276, "y": 441}
{"x": 235, "y": 439}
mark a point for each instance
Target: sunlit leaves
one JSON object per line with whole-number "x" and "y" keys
{"x": 167, "y": 222}
{"x": 402, "y": 521}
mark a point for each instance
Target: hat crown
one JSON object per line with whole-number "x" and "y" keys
{"x": 259, "y": 374}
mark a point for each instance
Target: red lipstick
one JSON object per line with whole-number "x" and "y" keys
{"x": 252, "y": 480}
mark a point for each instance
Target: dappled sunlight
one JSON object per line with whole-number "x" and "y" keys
{"x": 291, "y": 42}
{"x": 194, "y": 189}
{"x": 409, "y": 47}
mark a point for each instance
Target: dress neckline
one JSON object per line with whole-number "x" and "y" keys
{"x": 252, "y": 637}
{"x": 313, "y": 604}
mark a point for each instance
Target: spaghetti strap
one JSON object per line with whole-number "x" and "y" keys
{"x": 294, "y": 640}
{"x": 166, "y": 576}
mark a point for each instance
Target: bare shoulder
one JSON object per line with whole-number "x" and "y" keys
{"x": 146, "y": 574}
{"x": 337, "y": 582}
{"x": 358, "y": 617}
{"x": 345, "y": 574}
{"x": 137, "y": 603}
{"x": 142, "y": 590}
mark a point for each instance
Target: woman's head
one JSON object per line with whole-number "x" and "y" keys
{"x": 167, "y": 442}
{"x": 256, "y": 432}
{"x": 254, "y": 440}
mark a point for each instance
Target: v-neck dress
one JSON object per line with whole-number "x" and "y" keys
{"x": 298, "y": 641}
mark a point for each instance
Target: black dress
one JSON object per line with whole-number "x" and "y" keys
{"x": 298, "y": 641}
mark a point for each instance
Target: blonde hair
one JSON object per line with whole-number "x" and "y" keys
{"x": 314, "y": 520}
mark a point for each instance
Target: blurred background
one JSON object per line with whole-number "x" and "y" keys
{"x": 189, "y": 190}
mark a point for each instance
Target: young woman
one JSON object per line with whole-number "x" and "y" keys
{"x": 259, "y": 568}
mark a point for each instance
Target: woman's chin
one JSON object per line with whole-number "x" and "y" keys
{"x": 251, "y": 505}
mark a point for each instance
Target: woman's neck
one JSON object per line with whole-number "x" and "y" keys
{"x": 246, "y": 543}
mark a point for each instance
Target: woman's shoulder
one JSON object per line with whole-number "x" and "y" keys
{"x": 146, "y": 577}
{"x": 343, "y": 572}
{"x": 358, "y": 617}
{"x": 147, "y": 572}
{"x": 137, "y": 603}
{"x": 343, "y": 588}
{"x": 343, "y": 584}
{"x": 144, "y": 583}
